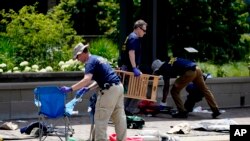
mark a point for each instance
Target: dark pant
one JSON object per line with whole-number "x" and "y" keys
{"x": 197, "y": 78}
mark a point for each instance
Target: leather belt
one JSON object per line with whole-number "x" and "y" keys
{"x": 106, "y": 86}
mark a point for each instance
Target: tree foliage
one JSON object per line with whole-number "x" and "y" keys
{"x": 213, "y": 27}
{"x": 105, "y": 48}
{"x": 37, "y": 37}
{"x": 109, "y": 16}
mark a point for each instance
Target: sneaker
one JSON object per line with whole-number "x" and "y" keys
{"x": 163, "y": 104}
{"x": 180, "y": 115}
{"x": 215, "y": 114}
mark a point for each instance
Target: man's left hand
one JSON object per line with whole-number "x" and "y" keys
{"x": 66, "y": 89}
{"x": 137, "y": 72}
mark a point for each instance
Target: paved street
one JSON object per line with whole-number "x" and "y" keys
{"x": 161, "y": 123}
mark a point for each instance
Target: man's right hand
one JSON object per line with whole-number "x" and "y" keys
{"x": 137, "y": 72}
{"x": 82, "y": 91}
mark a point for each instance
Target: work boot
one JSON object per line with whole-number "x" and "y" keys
{"x": 180, "y": 115}
{"x": 215, "y": 113}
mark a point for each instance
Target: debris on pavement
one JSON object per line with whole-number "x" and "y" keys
{"x": 149, "y": 135}
{"x": 219, "y": 125}
{"x": 9, "y": 126}
{"x": 182, "y": 128}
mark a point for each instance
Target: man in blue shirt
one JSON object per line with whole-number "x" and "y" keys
{"x": 187, "y": 72}
{"x": 131, "y": 57}
{"x": 132, "y": 48}
{"x": 110, "y": 100}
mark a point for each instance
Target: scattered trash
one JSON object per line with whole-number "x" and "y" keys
{"x": 9, "y": 126}
{"x": 170, "y": 138}
{"x": 219, "y": 125}
{"x": 148, "y": 135}
{"x": 21, "y": 121}
{"x": 200, "y": 110}
{"x": 35, "y": 132}
{"x": 29, "y": 128}
{"x": 150, "y": 108}
{"x": 155, "y": 135}
{"x": 112, "y": 137}
{"x": 182, "y": 128}
{"x": 135, "y": 122}
{"x": 72, "y": 139}
{"x": 222, "y": 111}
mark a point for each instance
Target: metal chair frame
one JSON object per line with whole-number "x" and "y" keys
{"x": 51, "y": 110}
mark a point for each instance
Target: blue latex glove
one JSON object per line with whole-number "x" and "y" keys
{"x": 137, "y": 72}
{"x": 66, "y": 89}
{"x": 82, "y": 91}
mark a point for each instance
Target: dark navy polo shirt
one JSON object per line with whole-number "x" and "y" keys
{"x": 175, "y": 67}
{"x": 133, "y": 43}
{"x": 101, "y": 70}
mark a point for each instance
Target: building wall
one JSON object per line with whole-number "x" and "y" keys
{"x": 17, "y": 98}
{"x": 229, "y": 92}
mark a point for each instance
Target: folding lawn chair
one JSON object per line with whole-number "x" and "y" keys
{"x": 51, "y": 103}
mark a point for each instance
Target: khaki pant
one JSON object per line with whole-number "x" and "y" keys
{"x": 197, "y": 78}
{"x": 110, "y": 104}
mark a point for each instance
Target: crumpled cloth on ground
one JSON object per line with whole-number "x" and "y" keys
{"x": 219, "y": 125}
{"x": 153, "y": 135}
{"x": 9, "y": 126}
{"x": 182, "y": 128}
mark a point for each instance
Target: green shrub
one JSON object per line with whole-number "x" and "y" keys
{"x": 37, "y": 38}
{"x": 208, "y": 67}
{"x": 105, "y": 48}
{"x": 5, "y": 50}
{"x": 236, "y": 69}
{"x": 233, "y": 69}
{"x": 108, "y": 17}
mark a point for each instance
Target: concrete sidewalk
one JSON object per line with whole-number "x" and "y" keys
{"x": 162, "y": 123}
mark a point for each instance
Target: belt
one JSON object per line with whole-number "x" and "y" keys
{"x": 106, "y": 86}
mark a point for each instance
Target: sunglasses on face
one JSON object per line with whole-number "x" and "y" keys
{"x": 142, "y": 29}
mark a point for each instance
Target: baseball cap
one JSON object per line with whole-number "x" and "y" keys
{"x": 78, "y": 49}
{"x": 156, "y": 65}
